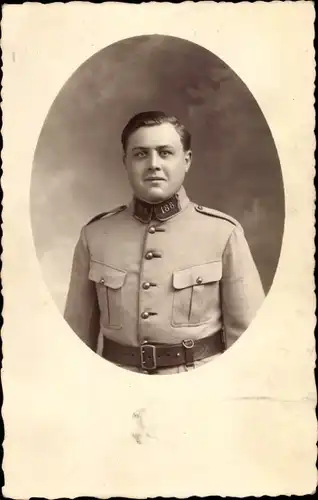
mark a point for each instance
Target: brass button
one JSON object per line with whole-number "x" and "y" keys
{"x": 146, "y": 285}
{"x": 200, "y": 207}
{"x": 102, "y": 281}
{"x": 152, "y": 230}
{"x": 199, "y": 280}
{"x": 145, "y": 315}
{"x": 149, "y": 255}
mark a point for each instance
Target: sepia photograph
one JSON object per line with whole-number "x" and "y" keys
{"x": 158, "y": 219}
{"x": 167, "y": 148}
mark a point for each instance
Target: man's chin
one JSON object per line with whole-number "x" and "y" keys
{"x": 155, "y": 195}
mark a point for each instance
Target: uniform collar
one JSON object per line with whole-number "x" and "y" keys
{"x": 145, "y": 212}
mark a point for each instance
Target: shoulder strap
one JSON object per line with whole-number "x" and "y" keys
{"x": 215, "y": 213}
{"x": 107, "y": 214}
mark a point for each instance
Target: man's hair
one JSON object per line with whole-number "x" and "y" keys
{"x": 150, "y": 119}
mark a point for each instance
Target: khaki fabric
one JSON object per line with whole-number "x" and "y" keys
{"x": 192, "y": 276}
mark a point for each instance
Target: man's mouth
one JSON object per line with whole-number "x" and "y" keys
{"x": 154, "y": 179}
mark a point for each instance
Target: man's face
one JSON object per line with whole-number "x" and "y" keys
{"x": 156, "y": 162}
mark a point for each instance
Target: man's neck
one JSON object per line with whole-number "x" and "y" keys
{"x": 163, "y": 210}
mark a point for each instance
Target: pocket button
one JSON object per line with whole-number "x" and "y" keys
{"x": 199, "y": 280}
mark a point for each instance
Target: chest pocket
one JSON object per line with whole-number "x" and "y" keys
{"x": 109, "y": 282}
{"x": 196, "y": 294}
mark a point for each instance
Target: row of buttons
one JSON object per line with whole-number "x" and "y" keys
{"x": 151, "y": 254}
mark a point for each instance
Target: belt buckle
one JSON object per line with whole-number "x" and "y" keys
{"x": 145, "y": 349}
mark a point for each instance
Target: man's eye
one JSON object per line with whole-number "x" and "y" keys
{"x": 140, "y": 154}
{"x": 165, "y": 153}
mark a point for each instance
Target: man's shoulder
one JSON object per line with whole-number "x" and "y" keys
{"x": 104, "y": 215}
{"x": 217, "y": 215}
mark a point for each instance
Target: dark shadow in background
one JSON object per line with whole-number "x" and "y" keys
{"x": 78, "y": 169}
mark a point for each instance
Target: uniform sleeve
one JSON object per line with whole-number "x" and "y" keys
{"x": 241, "y": 289}
{"x": 81, "y": 309}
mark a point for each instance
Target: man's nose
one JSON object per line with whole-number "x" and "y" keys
{"x": 154, "y": 161}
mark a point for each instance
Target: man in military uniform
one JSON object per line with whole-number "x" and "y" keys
{"x": 162, "y": 284}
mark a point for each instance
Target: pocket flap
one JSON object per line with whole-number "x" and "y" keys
{"x": 106, "y": 275}
{"x": 197, "y": 275}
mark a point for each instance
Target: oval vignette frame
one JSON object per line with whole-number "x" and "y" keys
{"x": 78, "y": 172}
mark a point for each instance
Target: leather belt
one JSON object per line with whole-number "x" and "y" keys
{"x": 151, "y": 356}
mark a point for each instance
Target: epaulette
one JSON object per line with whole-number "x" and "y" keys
{"x": 215, "y": 213}
{"x": 107, "y": 214}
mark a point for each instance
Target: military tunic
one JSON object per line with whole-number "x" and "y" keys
{"x": 180, "y": 272}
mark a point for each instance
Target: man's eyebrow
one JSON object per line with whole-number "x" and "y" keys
{"x": 145, "y": 148}
{"x": 169, "y": 146}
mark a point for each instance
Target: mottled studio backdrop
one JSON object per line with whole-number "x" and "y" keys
{"x": 78, "y": 170}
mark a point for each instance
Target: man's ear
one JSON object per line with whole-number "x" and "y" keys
{"x": 188, "y": 159}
